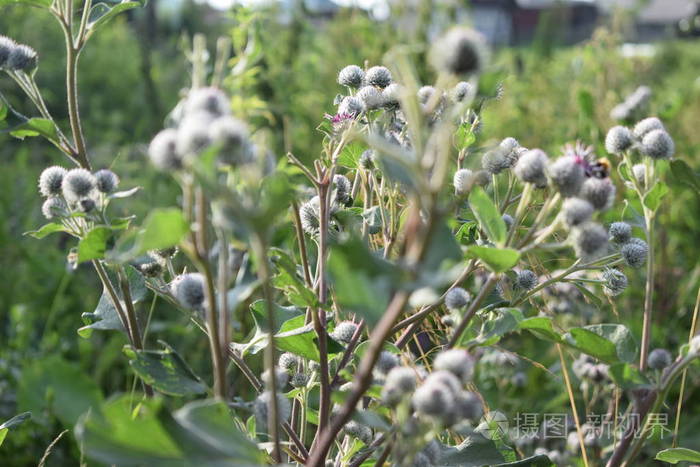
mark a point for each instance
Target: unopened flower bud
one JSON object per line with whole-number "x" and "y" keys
{"x": 615, "y": 282}
{"x": 567, "y": 175}
{"x": 351, "y": 76}
{"x": 460, "y": 51}
{"x": 107, "y": 181}
{"x": 456, "y": 361}
{"x": 635, "y": 252}
{"x": 526, "y": 280}
{"x": 22, "y": 58}
{"x": 51, "y": 180}
{"x": 576, "y": 211}
{"x": 531, "y": 167}
{"x": 189, "y": 290}
{"x": 457, "y": 298}
{"x": 659, "y": 359}
{"x": 645, "y": 126}
{"x": 620, "y": 232}
{"x": 77, "y": 184}
{"x": 618, "y": 140}
{"x": 590, "y": 240}
{"x": 344, "y": 331}
{"x": 658, "y": 144}
{"x": 378, "y": 76}
{"x": 163, "y": 150}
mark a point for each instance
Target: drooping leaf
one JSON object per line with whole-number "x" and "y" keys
{"x": 36, "y": 126}
{"x": 676, "y": 455}
{"x": 46, "y": 229}
{"x": 166, "y": 371}
{"x": 54, "y": 384}
{"x": 488, "y": 216}
{"x": 496, "y": 259}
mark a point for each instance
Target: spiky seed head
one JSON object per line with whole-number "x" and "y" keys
{"x": 457, "y": 298}
{"x": 22, "y": 58}
{"x": 299, "y": 380}
{"x": 189, "y": 290}
{"x": 392, "y": 95}
{"x": 344, "y": 331}
{"x": 308, "y": 213}
{"x": 456, "y": 361}
{"x": 386, "y": 361}
{"x": 371, "y": 97}
{"x": 615, "y": 282}
{"x": 359, "y": 431}
{"x": 210, "y": 100}
{"x": 51, "y": 180}
{"x": 460, "y": 51}
{"x": 343, "y": 188}
{"x": 531, "y": 167}
{"x": 54, "y": 207}
{"x": 658, "y": 144}
{"x": 193, "y": 134}
{"x": 367, "y": 159}
{"x": 590, "y": 240}
{"x": 496, "y": 160}
{"x": 351, "y": 76}
{"x": 281, "y": 378}
{"x": 231, "y": 136}
{"x": 576, "y": 211}
{"x": 526, "y": 280}
{"x": 107, "y": 181}
{"x": 600, "y": 192}
{"x": 618, "y": 140}
{"x": 86, "y": 205}
{"x": 567, "y": 175}
{"x": 77, "y": 184}
{"x": 659, "y": 359}
{"x": 639, "y": 172}
{"x": 151, "y": 269}
{"x": 351, "y": 105}
{"x": 469, "y": 406}
{"x": 425, "y": 93}
{"x": 378, "y": 76}
{"x": 399, "y": 382}
{"x": 581, "y": 365}
{"x": 461, "y": 91}
{"x": 620, "y": 232}
{"x": 6, "y": 47}
{"x": 635, "y": 252}
{"x": 289, "y": 362}
{"x": 261, "y": 408}
{"x": 163, "y": 150}
{"x": 463, "y": 181}
{"x": 434, "y": 398}
{"x": 645, "y": 126}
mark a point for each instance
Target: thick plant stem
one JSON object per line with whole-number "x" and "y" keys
{"x": 649, "y": 292}
{"x": 273, "y": 421}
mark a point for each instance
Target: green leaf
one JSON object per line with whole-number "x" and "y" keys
{"x": 94, "y": 244}
{"x": 54, "y": 384}
{"x": 163, "y": 228}
{"x": 676, "y": 455}
{"x": 3, "y": 435}
{"x": 541, "y": 327}
{"x": 350, "y": 155}
{"x": 36, "y": 127}
{"x": 684, "y": 174}
{"x": 592, "y": 344}
{"x": 166, "y": 371}
{"x": 105, "y": 316}
{"x": 464, "y": 136}
{"x": 504, "y": 320}
{"x": 102, "y": 13}
{"x": 474, "y": 451}
{"x": 46, "y": 229}
{"x": 488, "y": 216}
{"x": 442, "y": 248}
{"x": 621, "y": 337}
{"x": 362, "y": 281}
{"x": 534, "y": 461}
{"x": 16, "y": 420}
{"x": 496, "y": 259}
{"x": 653, "y": 198}
{"x": 626, "y": 376}
{"x": 289, "y": 281}
{"x": 282, "y": 314}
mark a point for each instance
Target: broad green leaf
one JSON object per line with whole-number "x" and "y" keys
{"x": 350, "y": 155}
{"x": 209, "y": 422}
{"x": 488, "y": 216}
{"x": 464, "y": 136}
{"x": 626, "y": 376}
{"x": 504, "y": 320}
{"x": 163, "y": 228}
{"x": 3, "y": 435}
{"x": 46, "y": 229}
{"x": 54, "y": 384}
{"x": 371, "y": 419}
{"x": 676, "y": 455}
{"x": 289, "y": 280}
{"x": 652, "y": 200}
{"x": 166, "y": 371}
{"x": 534, "y": 461}
{"x": 621, "y": 337}
{"x": 541, "y": 326}
{"x": 442, "y": 248}
{"x": 101, "y": 13}
{"x": 282, "y": 314}
{"x": 592, "y": 344}
{"x": 94, "y": 244}
{"x": 474, "y": 451}
{"x": 684, "y": 174}
{"x": 36, "y": 127}
{"x": 496, "y": 259}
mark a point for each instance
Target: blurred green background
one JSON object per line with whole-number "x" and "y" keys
{"x": 131, "y": 75}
